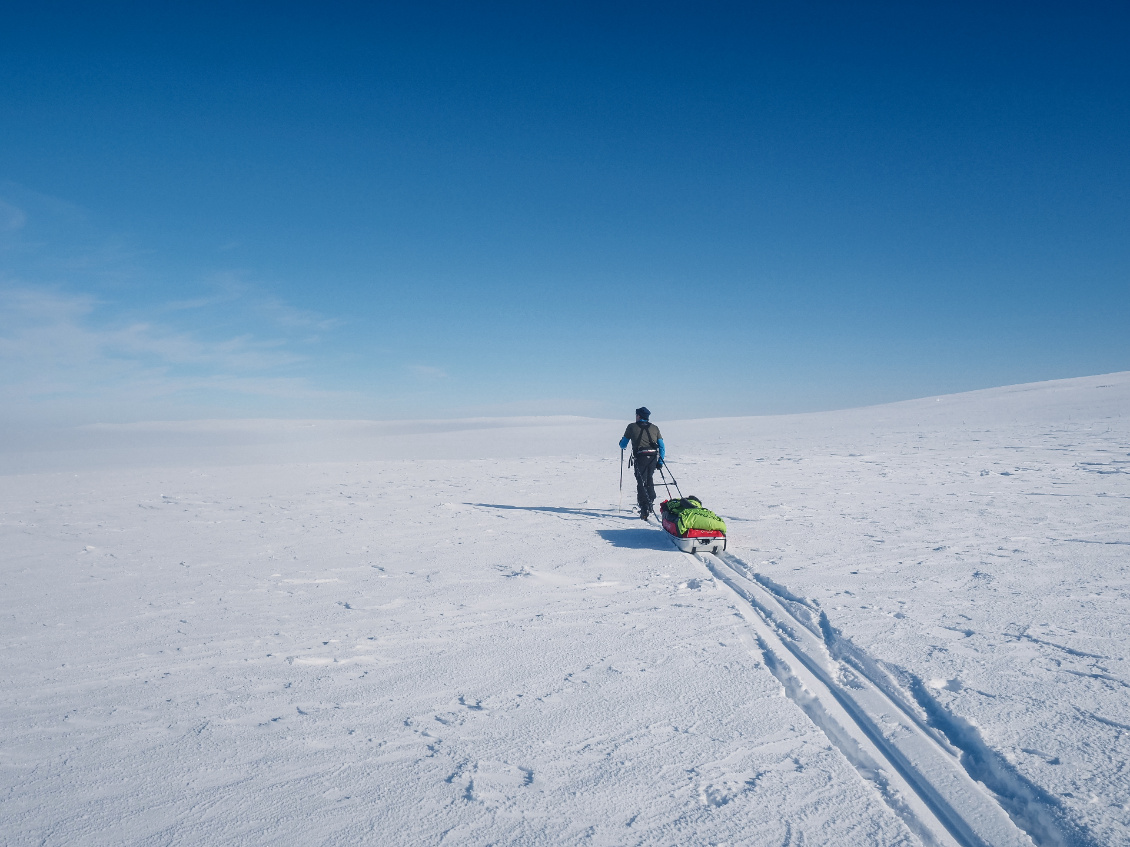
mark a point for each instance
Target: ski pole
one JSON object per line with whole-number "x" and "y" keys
{"x": 621, "y": 500}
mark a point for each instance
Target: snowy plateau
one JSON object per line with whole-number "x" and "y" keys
{"x": 444, "y": 632}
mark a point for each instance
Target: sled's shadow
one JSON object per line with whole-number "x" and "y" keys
{"x": 637, "y": 538}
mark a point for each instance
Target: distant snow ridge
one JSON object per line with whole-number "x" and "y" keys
{"x": 931, "y": 767}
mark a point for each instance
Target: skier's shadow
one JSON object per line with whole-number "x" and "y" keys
{"x": 638, "y": 538}
{"x": 557, "y": 510}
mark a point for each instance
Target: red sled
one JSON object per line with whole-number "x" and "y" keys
{"x": 694, "y": 540}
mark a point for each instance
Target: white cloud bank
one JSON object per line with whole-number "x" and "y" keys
{"x": 57, "y": 354}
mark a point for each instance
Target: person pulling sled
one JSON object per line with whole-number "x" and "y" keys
{"x": 647, "y": 454}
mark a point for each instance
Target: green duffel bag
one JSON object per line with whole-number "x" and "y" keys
{"x": 700, "y": 519}
{"x": 679, "y": 504}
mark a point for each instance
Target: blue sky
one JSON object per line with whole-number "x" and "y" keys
{"x": 482, "y": 209}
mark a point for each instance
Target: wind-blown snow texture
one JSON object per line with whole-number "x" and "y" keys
{"x": 339, "y": 633}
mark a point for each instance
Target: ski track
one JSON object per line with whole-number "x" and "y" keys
{"x": 931, "y": 767}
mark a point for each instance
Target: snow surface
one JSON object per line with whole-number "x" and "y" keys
{"x": 347, "y": 632}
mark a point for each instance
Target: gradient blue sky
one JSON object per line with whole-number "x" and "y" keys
{"x": 231, "y": 210}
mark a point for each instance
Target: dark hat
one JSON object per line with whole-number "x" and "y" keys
{"x": 643, "y": 412}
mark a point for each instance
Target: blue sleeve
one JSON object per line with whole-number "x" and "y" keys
{"x": 662, "y": 450}
{"x": 624, "y": 442}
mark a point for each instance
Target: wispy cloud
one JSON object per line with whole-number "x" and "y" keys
{"x": 286, "y": 315}
{"x": 230, "y": 286}
{"x": 12, "y": 217}
{"x": 49, "y": 325}
{"x": 242, "y": 353}
{"x": 43, "y": 237}
{"x": 196, "y": 303}
{"x": 54, "y": 346}
{"x": 85, "y": 334}
{"x": 427, "y": 372}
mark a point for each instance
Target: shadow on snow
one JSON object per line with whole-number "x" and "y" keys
{"x": 557, "y": 510}
{"x": 640, "y": 538}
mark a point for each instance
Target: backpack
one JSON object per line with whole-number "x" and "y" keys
{"x": 647, "y": 441}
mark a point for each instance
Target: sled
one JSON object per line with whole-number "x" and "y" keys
{"x": 696, "y": 540}
{"x": 693, "y": 540}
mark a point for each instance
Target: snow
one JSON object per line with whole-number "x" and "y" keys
{"x": 441, "y": 632}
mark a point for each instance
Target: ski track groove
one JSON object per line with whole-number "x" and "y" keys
{"x": 930, "y": 767}
{"x": 1031, "y": 808}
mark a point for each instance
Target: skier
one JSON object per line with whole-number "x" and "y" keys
{"x": 648, "y": 452}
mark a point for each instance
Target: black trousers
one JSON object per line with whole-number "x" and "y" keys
{"x": 645, "y": 484}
